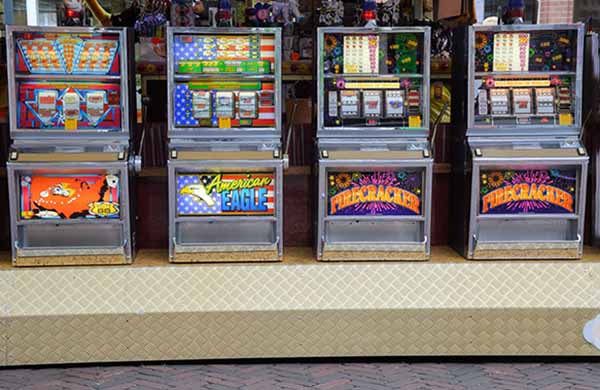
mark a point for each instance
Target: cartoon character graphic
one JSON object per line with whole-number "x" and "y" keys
{"x": 61, "y": 189}
{"x": 69, "y": 196}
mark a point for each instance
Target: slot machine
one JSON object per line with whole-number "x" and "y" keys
{"x": 225, "y": 167}
{"x": 69, "y": 168}
{"x": 521, "y": 179}
{"x": 375, "y": 161}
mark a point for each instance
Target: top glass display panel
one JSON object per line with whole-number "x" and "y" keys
{"x": 373, "y": 82}
{"x": 372, "y": 53}
{"x": 525, "y": 79}
{"x": 66, "y": 53}
{"x": 526, "y": 51}
{"x": 208, "y": 54}
{"x": 68, "y": 83}
{"x": 224, "y": 83}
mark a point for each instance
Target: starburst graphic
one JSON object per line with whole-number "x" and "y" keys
{"x": 530, "y": 177}
{"x": 377, "y": 178}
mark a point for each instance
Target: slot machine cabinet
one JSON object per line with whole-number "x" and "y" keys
{"x": 69, "y": 168}
{"x": 522, "y": 180}
{"x": 375, "y": 163}
{"x": 225, "y": 165}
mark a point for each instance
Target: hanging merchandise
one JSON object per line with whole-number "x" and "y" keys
{"x": 441, "y": 49}
{"x": 146, "y": 17}
{"x": 182, "y": 13}
{"x": 388, "y": 13}
{"x": 369, "y": 13}
{"x": 285, "y": 13}
{"x": 331, "y": 13}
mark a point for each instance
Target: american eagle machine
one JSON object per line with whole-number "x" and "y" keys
{"x": 375, "y": 160}
{"x": 521, "y": 181}
{"x": 225, "y": 162}
{"x": 69, "y": 166}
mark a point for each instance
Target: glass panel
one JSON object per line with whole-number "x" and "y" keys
{"x": 394, "y": 192}
{"x": 67, "y": 53}
{"x": 373, "y": 79}
{"x": 525, "y": 78}
{"x": 522, "y": 51}
{"x": 69, "y": 195}
{"x": 543, "y": 100}
{"x": 244, "y": 193}
{"x": 214, "y": 54}
{"x": 215, "y": 91}
{"x": 68, "y": 105}
{"x": 550, "y": 190}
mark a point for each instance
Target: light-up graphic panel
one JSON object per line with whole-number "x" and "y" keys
{"x": 69, "y": 196}
{"x": 68, "y": 53}
{"x": 221, "y": 96}
{"x": 64, "y": 105}
{"x": 225, "y": 104}
{"x": 355, "y": 92}
{"x": 224, "y": 54}
{"x": 525, "y": 78}
{"x": 247, "y": 193}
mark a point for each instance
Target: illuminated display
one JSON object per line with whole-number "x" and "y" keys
{"x": 233, "y": 105}
{"x": 225, "y": 194}
{"x": 224, "y": 54}
{"x": 375, "y": 193}
{"x": 507, "y": 93}
{"x": 540, "y": 191}
{"x": 64, "y": 103}
{"x": 533, "y": 51}
{"x": 69, "y": 105}
{"x": 224, "y": 102}
{"x": 353, "y": 65}
{"x": 67, "y": 53}
{"x": 73, "y": 196}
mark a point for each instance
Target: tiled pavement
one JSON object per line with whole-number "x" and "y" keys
{"x": 414, "y": 376}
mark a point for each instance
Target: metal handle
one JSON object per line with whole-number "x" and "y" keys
{"x": 135, "y": 164}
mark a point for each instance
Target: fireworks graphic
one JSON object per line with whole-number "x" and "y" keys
{"x": 564, "y": 179}
{"x": 496, "y": 179}
{"x": 409, "y": 181}
{"x": 374, "y": 208}
{"x": 343, "y": 180}
{"x": 529, "y": 177}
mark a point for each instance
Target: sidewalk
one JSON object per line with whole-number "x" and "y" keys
{"x": 449, "y": 376}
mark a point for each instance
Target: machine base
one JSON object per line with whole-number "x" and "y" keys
{"x": 373, "y": 256}
{"x": 227, "y": 257}
{"x": 154, "y": 310}
{"x": 519, "y": 254}
{"x": 38, "y": 261}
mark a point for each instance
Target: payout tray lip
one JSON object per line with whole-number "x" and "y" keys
{"x": 377, "y": 155}
{"x": 70, "y": 157}
{"x": 490, "y": 152}
{"x": 225, "y": 155}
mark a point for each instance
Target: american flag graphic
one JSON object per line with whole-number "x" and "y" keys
{"x": 229, "y": 47}
{"x": 183, "y": 106}
{"x": 188, "y": 48}
{"x": 184, "y": 116}
{"x": 189, "y": 205}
